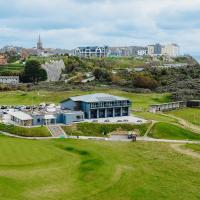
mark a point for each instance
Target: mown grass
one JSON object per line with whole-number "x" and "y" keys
{"x": 102, "y": 130}
{"x": 157, "y": 117}
{"x": 194, "y": 147}
{"x": 191, "y": 115}
{"x": 73, "y": 169}
{"x": 164, "y": 130}
{"x": 26, "y": 132}
{"x": 140, "y": 101}
{"x": 11, "y": 68}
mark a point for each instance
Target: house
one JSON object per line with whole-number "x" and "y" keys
{"x": 98, "y": 105}
{"x": 9, "y": 79}
{"x": 91, "y": 52}
{"x": 3, "y": 59}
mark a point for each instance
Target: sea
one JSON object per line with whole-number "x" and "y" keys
{"x": 197, "y": 58}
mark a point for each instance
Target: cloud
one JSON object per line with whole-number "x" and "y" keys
{"x": 71, "y": 23}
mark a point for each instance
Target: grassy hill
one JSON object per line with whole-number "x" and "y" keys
{"x": 164, "y": 130}
{"x": 78, "y": 170}
{"x": 191, "y": 115}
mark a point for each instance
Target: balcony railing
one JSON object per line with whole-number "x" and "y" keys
{"x": 110, "y": 104}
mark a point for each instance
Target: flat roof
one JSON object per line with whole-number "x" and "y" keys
{"x": 20, "y": 115}
{"x": 97, "y": 97}
{"x": 49, "y": 117}
{"x": 9, "y": 77}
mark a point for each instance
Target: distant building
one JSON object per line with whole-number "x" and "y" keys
{"x": 91, "y": 52}
{"x": 9, "y": 80}
{"x": 142, "y": 52}
{"x": 3, "y": 59}
{"x": 39, "y": 44}
{"x": 127, "y": 51}
{"x": 150, "y": 50}
{"x": 171, "y": 50}
{"x": 155, "y": 50}
{"x": 98, "y": 105}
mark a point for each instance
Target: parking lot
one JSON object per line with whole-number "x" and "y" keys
{"x": 125, "y": 119}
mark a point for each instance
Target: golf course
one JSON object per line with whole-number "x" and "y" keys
{"x": 63, "y": 169}
{"x": 73, "y": 169}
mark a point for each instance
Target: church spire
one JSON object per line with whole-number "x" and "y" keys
{"x": 39, "y": 43}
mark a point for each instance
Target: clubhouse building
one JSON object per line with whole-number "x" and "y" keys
{"x": 98, "y": 105}
{"x": 74, "y": 109}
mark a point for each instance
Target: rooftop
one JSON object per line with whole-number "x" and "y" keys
{"x": 98, "y": 97}
{"x": 20, "y": 115}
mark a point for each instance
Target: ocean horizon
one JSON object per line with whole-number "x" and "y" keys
{"x": 197, "y": 58}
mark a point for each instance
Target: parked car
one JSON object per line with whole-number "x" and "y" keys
{"x": 107, "y": 120}
{"x": 139, "y": 121}
{"x": 119, "y": 121}
{"x": 95, "y": 121}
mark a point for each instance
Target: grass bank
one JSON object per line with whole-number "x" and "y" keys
{"x": 162, "y": 130}
{"x": 26, "y": 132}
{"x": 191, "y": 115}
{"x": 102, "y": 130}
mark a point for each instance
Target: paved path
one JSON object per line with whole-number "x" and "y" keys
{"x": 122, "y": 139}
{"x": 184, "y": 123}
{"x": 56, "y": 131}
{"x": 150, "y": 127}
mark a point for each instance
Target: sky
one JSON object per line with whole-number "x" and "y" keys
{"x": 72, "y": 23}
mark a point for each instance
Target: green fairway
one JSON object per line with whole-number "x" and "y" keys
{"x": 140, "y": 101}
{"x": 164, "y": 130}
{"x": 191, "y": 115}
{"x": 91, "y": 170}
{"x": 26, "y": 132}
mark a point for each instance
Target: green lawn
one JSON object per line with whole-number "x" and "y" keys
{"x": 26, "y": 132}
{"x": 92, "y": 170}
{"x": 164, "y": 130}
{"x": 14, "y": 67}
{"x": 140, "y": 101}
{"x": 157, "y": 117}
{"x": 191, "y": 115}
{"x": 95, "y": 129}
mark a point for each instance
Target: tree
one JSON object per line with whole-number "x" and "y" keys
{"x": 33, "y": 72}
{"x": 102, "y": 74}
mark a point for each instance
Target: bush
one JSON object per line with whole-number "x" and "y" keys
{"x": 142, "y": 81}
